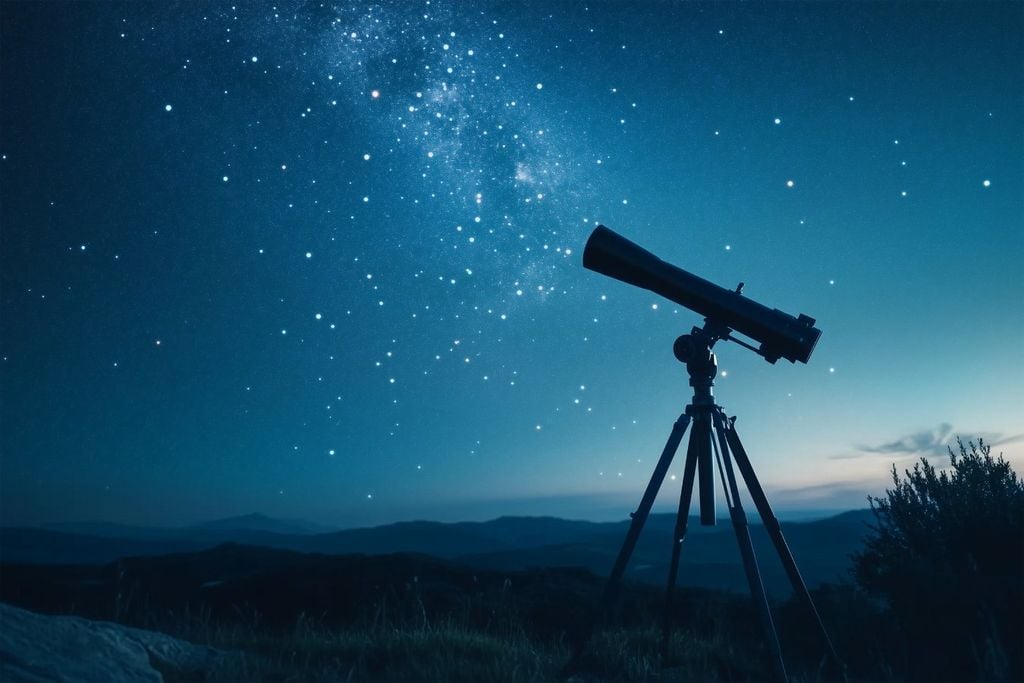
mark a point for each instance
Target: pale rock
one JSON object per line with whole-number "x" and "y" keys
{"x": 38, "y": 648}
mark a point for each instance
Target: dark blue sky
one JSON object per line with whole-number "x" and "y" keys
{"x": 324, "y": 260}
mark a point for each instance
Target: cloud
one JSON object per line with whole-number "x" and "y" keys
{"x": 995, "y": 439}
{"x": 926, "y": 442}
{"x": 934, "y": 442}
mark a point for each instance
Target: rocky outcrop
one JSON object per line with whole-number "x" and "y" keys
{"x": 38, "y": 648}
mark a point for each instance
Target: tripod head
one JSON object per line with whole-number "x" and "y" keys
{"x": 694, "y": 350}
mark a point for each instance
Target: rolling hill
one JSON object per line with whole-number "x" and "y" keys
{"x": 710, "y": 557}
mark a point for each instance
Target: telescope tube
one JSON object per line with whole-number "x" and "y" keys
{"x": 780, "y": 334}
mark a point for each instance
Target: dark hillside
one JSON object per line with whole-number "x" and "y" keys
{"x": 378, "y": 611}
{"x": 276, "y": 587}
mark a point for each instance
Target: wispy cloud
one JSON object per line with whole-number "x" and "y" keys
{"x": 929, "y": 442}
{"x": 995, "y": 439}
{"x": 925, "y": 442}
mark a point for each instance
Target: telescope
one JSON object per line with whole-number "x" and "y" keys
{"x": 780, "y": 335}
{"x": 713, "y": 437}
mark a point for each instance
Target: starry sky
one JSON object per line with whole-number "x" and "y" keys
{"x": 324, "y": 260}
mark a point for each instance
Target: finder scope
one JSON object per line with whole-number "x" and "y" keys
{"x": 779, "y": 334}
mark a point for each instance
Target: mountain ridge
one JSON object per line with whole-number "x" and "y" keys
{"x": 821, "y": 547}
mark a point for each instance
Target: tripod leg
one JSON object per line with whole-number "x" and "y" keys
{"x": 772, "y": 526}
{"x": 682, "y": 518}
{"x": 639, "y": 517}
{"x": 739, "y": 523}
{"x": 705, "y": 470}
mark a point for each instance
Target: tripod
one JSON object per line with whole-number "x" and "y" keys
{"x": 713, "y": 439}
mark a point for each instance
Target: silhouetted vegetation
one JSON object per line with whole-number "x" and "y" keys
{"x": 947, "y": 558}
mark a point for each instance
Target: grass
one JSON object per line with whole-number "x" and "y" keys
{"x": 448, "y": 650}
{"x": 383, "y": 626}
{"x": 445, "y": 651}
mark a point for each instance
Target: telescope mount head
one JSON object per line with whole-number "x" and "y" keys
{"x": 695, "y": 351}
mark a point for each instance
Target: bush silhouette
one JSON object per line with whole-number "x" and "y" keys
{"x": 947, "y": 555}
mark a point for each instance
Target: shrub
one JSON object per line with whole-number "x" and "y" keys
{"x": 947, "y": 555}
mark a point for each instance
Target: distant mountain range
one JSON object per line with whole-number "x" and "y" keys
{"x": 710, "y": 558}
{"x": 254, "y": 522}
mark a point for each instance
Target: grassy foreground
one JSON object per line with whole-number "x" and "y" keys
{"x": 292, "y": 617}
{"x": 719, "y": 639}
{"x": 450, "y": 652}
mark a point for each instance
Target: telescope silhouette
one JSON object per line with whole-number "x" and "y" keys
{"x": 780, "y": 334}
{"x": 713, "y": 437}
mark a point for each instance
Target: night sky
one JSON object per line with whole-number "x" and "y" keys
{"x": 324, "y": 261}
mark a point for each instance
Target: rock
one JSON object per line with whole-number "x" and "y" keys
{"x": 38, "y": 648}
